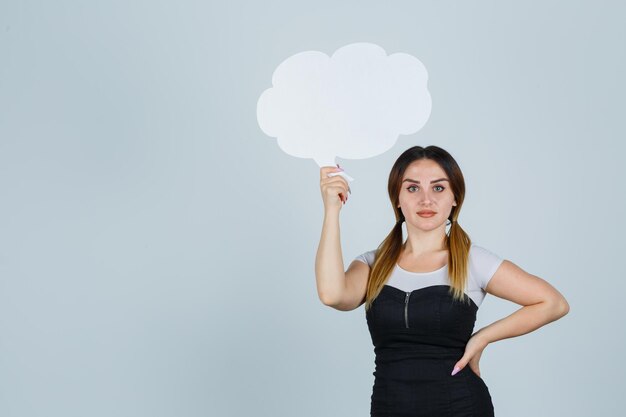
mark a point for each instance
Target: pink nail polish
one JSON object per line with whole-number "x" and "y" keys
{"x": 455, "y": 370}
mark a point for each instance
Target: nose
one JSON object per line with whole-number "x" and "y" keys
{"x": 425, "y": 198}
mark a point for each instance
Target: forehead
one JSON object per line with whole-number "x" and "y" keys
{"x": 424, "y": 169}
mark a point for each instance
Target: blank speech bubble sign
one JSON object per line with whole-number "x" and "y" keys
{"x": 352, "y": 105}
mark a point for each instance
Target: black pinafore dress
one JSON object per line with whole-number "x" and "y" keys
{"x": 418, "y": 336}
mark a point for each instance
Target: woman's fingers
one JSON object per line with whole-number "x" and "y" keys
{"x": 334, "y": 187}
{"x": 324, "y": 171}
{"x": 336, "y": 179}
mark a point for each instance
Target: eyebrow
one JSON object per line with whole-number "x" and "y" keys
{"x": 433, "y": 181}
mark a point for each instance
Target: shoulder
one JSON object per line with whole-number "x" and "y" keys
{"x": 367, "y": 257}
{"x": 483, "y": 263}
{"x": 479, "y": 253}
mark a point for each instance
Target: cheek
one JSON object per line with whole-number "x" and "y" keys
{"x": 449, "y": 199}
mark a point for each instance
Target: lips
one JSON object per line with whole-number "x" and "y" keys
{"x": 426, "y": 213}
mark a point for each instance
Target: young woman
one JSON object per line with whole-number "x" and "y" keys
{"x": 421, "y": 295}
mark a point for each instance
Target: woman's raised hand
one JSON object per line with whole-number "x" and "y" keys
{"x": 334, "y": 189}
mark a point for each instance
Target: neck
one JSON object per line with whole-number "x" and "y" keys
{"x": 420, "y": 241}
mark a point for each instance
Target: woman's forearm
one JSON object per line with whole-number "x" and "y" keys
{"x": 522, "y": 321}
{"x": 329, "y": 272}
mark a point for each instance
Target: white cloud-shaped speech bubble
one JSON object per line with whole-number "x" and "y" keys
{"x": 353, "y": 104}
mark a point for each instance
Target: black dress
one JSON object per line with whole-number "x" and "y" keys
{"x": 418, "y": 336}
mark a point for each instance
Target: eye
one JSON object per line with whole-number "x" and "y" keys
{"x": 436, "y": 186}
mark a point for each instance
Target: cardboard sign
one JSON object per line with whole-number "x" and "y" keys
{"x": 352, "y": 105}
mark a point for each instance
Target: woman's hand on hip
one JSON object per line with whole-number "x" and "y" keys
{"x": 473, "y": 350}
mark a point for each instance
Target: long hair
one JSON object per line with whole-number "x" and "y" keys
{"x": 457, "y": 241}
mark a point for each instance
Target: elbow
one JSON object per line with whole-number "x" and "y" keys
{"x": 327, "y": 300}
{"x": 333, "y": 303}
{"x": 560, "y": 307}
{"x": 324, "y": 301}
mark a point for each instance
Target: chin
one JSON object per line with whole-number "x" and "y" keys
{"x": 427, "y": 227}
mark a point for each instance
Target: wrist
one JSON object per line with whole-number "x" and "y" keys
{"x": 482, "y": 337}
{"x": 332, "y": 212}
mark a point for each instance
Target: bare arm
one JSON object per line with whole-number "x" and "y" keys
{"x": 329, "y": 272}
{"x": 542, "y": 303}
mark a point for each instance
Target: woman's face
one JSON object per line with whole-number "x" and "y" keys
{"x": 425, "y": 186}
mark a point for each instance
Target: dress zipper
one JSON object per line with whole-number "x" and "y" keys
{"x": 406, "y": 309}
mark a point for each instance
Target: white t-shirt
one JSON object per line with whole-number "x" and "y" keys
{"x": 482, "y": 265}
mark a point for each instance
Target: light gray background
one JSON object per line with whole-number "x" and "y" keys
{"x": 157, "y": 249}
